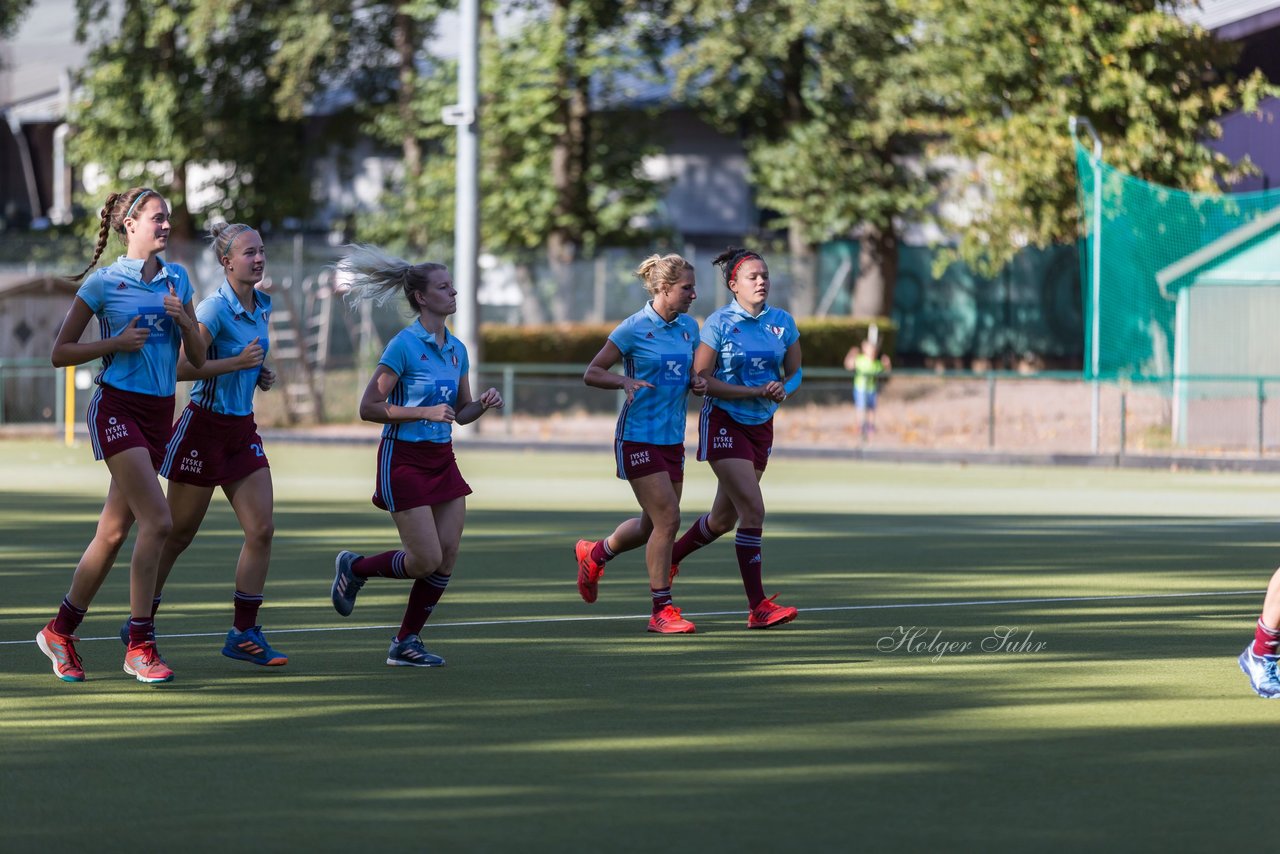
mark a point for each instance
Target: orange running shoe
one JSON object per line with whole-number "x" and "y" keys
{"x": 766, "y": 615}
{"x": 675, "y": 570}
{"x": 143, "y": 661}
{"x": 61, "y": 650}
{"x": 589, "y": 572}
{"x": 669, "y": 622}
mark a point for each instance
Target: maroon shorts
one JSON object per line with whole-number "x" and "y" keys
{"x": 416, "y": 474}
{"x": 120, "y": 420}
{"x": 638, "y": 459}
{"x": 722, "y": 438}
{"x": 210, "y": 449}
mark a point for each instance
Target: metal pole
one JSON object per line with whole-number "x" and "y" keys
{"x": 1095, "y": 251}
{"x": 466, "y": 212}
{"x": 509, "y": 397}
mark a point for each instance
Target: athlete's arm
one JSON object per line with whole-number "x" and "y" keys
{"x": 469, "y": 410}
{"x": 599, "y": 375}
{"x": 250, "y": 357}
{"x": 704, "y": 365}
{"x": 184, "y": 314}
{"x": 68, "y": 350}
{"x": 374, "y": 406}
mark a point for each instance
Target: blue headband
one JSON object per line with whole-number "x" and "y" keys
{"x": 141, "y": 196}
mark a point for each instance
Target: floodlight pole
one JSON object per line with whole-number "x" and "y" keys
{"x": 466, "y": 210}
{"x": 1095, "y": 324}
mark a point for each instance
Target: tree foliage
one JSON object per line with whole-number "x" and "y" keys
{"x": 824, "y": 96}
{"x": 209, "y": 88}
{"x": 1012, "y": 72}
{"x": 11, "y": 12}
{"x": 560, "y": 151}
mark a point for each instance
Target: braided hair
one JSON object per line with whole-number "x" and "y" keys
{"x": 731, "y": 259}
{"x": 117, "y": 208}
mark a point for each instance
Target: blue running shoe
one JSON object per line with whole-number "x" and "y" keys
{"x": 346, "y": 584}
{"x": 1261, "y": 670}
{"x": 411, "y": 653}
{"x": 251, "y": 645}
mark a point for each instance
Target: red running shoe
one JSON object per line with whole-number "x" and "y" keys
{"x": 669, "y": 622}
{"x": 589, "y": 572}
{"x": 144, "y": 662}
{"x": 61, "y": 650}
{"x": 766, "y": 615}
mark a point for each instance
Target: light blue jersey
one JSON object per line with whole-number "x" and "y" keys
{"x": 750, "y": 352}
{"x": 117, "y": 295}
{"x": 660, "y": 353}
{"x": 231, "y": 328}
{"x": 429, "y": 375}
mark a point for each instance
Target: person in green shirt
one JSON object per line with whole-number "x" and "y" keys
{"x": 869, "y": 371}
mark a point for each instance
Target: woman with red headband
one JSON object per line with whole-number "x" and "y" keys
{"x": 750, "y": 357}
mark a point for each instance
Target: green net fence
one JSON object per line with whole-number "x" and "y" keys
{"x": 1177, "y": 285}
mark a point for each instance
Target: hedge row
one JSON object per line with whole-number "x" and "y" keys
{"x": 825, "y": 340}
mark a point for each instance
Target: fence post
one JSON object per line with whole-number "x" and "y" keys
{"x": 1262, "y": 399}
{"x": 508, "y": 397}
{"x": 1124, "y": 419}
{"x": 991, "y": 411}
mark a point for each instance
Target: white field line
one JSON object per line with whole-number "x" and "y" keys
{"x": 443, "y": 624}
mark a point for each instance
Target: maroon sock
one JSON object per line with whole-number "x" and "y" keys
{"x": 1265, "y": 639}
{"x": 424, "y": 595}
{"x": 698, "y": 535}
{"x": 141, "y": 630}
{"x": 246, "y": 615}
{"x": 661, "y": 598}
{"x": 601, "y": 553}
{"x": 750, "y": 563}
{"x": 384, "y": 565}
{"x": 69, "y": 618}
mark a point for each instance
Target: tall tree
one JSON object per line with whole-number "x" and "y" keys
{"x": 822, "y": 94}
{"x": 11, "y": 12}
{"x": 1014, "y": 71}
{"x": 559, "y": 153}
{"x": 215, "y": 84}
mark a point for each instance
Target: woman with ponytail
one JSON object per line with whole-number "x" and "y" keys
{"x": 750, "y": 357}
{"x": 656, "y": 346}
{"x": 419, "y": 390}
{"x": 144, "y": 312}
{"x": 215, "y": 442}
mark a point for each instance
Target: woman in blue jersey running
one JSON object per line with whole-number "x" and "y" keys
{"x": 419, "y": 390}
{"x": 215, "y": 441}
{"x": 143, "y": 307}
{"x": 750, "y": 357}
{"x": 656, "y": 346}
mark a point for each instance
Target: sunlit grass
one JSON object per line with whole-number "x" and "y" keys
{"x": 557, "y": 725}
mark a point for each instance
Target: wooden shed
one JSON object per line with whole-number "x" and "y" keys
{"x": 32, "y": 307}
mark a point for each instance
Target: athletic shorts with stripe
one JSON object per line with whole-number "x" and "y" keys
{"x": 212, "y": 449}
{"x": 416, "y": 474}
{"x": 720, "y": 437}
{"x": 120, "y": 420}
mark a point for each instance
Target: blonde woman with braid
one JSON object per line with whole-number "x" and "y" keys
{"x": 419, "y": 390}
{"x": 656, "y": 346}
{"x": 215, "y": 441}
{"x": 144, "y": 312}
